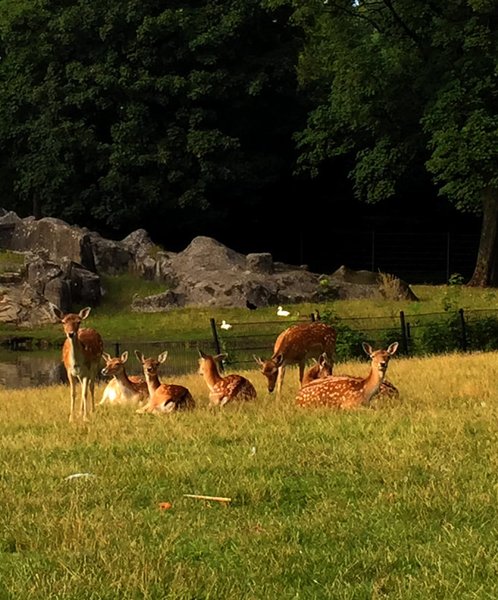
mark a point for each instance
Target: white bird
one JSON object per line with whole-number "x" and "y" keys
{"x": 225, "y": 325}
{"x": 282, "y": 313}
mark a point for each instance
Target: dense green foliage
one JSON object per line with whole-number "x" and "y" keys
{"x": 115, "y": 114}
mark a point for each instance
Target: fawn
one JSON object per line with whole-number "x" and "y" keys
{"x": 349, "y": 392}
{"x": 223, "y": 389}
{"x": 320, "y": 369}
{"x": 122, "y": 388}
{"x": 163, "y": 397}
{"x": 294, "y": 346}
{"x": 82, "y": 357}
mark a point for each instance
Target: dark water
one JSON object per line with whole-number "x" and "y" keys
{"x": 24, "y": 368}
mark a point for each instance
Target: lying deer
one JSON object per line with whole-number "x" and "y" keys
{"x": 320, "y": 369}
{"x": 223, "y": 390}
{"x": 163, "y": 397}
{"x": 295, "y": 345}
{"x": 349, "y": 392}
{"x": 323, "y": 368}
{"x": 82, "y": 357}
{"x": 123, "y": 388}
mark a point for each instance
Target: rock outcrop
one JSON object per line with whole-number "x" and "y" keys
{"x": 63, "y": 264}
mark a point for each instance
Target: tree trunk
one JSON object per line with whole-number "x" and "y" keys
{"x": 36, "y": 207}
{"x": 486, "y": 269}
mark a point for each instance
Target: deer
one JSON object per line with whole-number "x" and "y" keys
{"x": 320, "y": 369}
{"x": 223, "y": 389}
{"x": 295, "y": 345}
{"x": 349, "y": 392}
{"x": 323, "y": 368}
{"x": 122, "y": 388}
{"x": 163, "y": 397}
{"x": 82, "y": 357}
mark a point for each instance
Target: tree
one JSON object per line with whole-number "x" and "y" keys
{"x": 399, "y": 85}
{"x": 144, "y": 111}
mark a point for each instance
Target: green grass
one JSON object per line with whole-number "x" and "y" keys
{"x": 397, "y": 502}
{"x": 114, "y": 319}
{"x": 10, "y": 261}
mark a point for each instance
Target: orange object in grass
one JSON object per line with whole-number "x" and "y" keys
{"x": 165, "y": 505}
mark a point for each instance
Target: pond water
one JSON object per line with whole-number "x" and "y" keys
{"x": 24, "y": 368}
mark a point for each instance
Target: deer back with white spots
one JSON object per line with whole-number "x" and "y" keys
{"x": 349, "y": 392}
{"x": 224, "y": 389}
{"x": 295, "y": 345}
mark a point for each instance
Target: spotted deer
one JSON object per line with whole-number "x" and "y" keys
{"x": 223, "y": 389}
{"x": 163, "y": 397}
{"x": 323, "y": 368}
{"x": 122, "y": 388}
{"x": 82, "y": 357}
{"x": 349, "y": 392}
{"x": 295, "y": 345}
{"x": 320, "y": 369}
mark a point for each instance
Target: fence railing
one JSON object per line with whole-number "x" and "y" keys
{"x": 418, "y": 334}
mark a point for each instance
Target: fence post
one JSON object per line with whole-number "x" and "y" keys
{"x": 312, "y": 317}
{"x": 404, "y": 336}
{"x": 116, "y": 348}
{"x": 216, "y": 340}
{"x": 464, "y": 329}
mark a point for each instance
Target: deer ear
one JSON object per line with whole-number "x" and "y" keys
{"x": 367, "y": 348}
{"x": 163, "y": 356}
{"x": 279, "y": 359}
{"x": 258, "y": 360}
{"x": 392, "y": 348}
{"x": 124, "y": 356}
{"x": 57, "y": 311}
{"x": 201, "y": 353}
{"x": 106, "y": 356}
{"x": 139, "y": 356}
{"x": 323, "y": 358}
{"x": 220, "y": 357}
{"x": 84, "y": 312}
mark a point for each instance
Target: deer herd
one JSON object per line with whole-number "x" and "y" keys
{"x": 83, "y": 357}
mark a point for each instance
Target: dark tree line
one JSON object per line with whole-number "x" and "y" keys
{"x": 172, "y": 115}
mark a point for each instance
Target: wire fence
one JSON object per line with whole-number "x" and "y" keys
{"x": 416, "y": 257}
{"x": 417, "y": 333}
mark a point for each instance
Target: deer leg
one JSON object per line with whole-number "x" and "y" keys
{"x": 301, "y": 372}
{"x": 72, "y": 388}
{"x": 92, "y": 394}
{"x": 84, "y": 396}
{"x": 280, "y": 379}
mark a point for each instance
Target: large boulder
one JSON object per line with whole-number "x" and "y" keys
{"x": 51, "y": 237}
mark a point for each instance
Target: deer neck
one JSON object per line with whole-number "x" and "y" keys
{"x": 75, "y": 354}
{"x": 124, "y": 381}
{"x": 152, "y": 383}
{"x": 372, "y": 384}
{"x": 211, "y": 374}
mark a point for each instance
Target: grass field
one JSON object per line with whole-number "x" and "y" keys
{"x": 396, "y": 502}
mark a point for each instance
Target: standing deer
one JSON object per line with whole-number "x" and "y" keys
{"x": 163, "y": 397}
{"x": 294, "y": 346}
{"x": 122, "y": 389}
{"x": 349, "y": 392}
{"x": 223, "y": 390}
{"x": 322, "y": 368}
{"x": 82, "y": 356}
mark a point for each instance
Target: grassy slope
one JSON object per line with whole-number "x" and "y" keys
{"x": 398, "y": 502}
{"x": 117, "y": 323}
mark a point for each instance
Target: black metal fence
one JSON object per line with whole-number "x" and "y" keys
{"x": 417, "y": 333}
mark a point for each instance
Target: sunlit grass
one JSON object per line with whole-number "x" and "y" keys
{"x": 396, "y": 502}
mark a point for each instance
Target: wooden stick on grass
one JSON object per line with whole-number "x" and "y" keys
{"x": 201, "y": 497}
